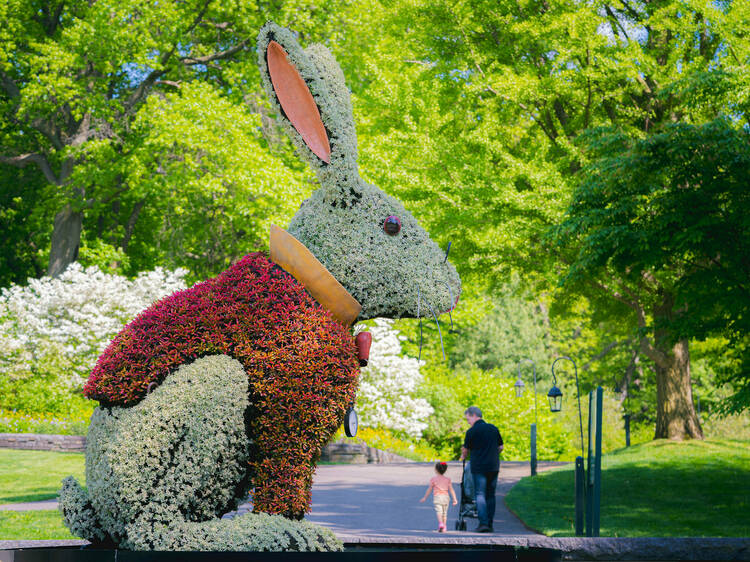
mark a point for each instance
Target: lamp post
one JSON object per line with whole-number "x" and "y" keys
{"x": 555, "y": 403}
{"x": 519, "y": 391}
{"x": 555, "y": 395}
{"x": 626, "y": 415}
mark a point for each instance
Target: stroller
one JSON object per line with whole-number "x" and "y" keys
{"x": 468, "y": 505}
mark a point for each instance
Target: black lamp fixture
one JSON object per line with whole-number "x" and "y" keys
{"x": 519, "y": 387}
{"x": 555, "y": 399}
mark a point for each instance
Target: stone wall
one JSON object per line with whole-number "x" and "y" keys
{"x": 41, "y": 442}
{"x": 357, "y": 453}
{"x": 338, "y": 451}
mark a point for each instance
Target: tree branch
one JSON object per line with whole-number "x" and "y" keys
{"x": 613, "y": 18}
{"x": 550, "y": 130}
{"x": 9, "y": 85}
{"x": 191, "y": 61}
{"x": 607, "y": 348}
{"x": 561, "y": 114}
{"x": 50, "y": 21}
{"x": 49, "y": 131}
{"x": 637, "y": 17}
{"x": 140, "y": 92}
{"x": 658, "y": 357}
{"x": 130, "y": 225}
{"x": 631, "y": 301}
{"x": 175, "y": 84}
{"x": 22, "y": 160}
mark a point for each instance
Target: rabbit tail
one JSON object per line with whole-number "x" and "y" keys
{"x": 78, "y": 513}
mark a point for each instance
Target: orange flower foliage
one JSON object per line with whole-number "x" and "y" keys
{"x": 301, "y": 364}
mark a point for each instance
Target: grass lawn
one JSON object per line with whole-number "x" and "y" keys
{"x": 27, "y": 476}
{"x": 33, "y": 525}
{"x": 656, "y": 489}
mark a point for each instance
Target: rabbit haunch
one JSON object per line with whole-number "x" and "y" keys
{"x": 301, "y": 364}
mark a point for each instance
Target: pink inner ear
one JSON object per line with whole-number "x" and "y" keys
{"x": 297, "y": 101}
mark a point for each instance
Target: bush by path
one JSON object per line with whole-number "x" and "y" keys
{"x": 662, "y": 489}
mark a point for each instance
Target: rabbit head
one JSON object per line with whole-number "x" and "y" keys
{"x": 372, "y": 245}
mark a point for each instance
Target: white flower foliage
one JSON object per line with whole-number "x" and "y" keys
{"x": 388, "y": 383}
{"x": 75, "y": 315}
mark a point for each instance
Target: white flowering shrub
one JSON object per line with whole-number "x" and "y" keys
{"x": 55, "y": 328}
{"x": 160, "y": 474}
{"x": 387, "y": 385}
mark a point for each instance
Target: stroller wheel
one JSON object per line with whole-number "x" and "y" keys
{"x": 463, "y": 526}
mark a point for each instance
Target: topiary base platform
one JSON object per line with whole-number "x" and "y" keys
{"x": 354, "y": 554}
{"x": 417, "y": 549}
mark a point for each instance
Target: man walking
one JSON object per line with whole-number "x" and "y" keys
{"x": 485, "y": 443}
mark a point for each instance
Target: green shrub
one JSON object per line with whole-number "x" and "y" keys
{"x": 19, "y": 422}
{"x": 40, "y": 389}
{"x": 251, "y": 531}
{"x": 78, "y": 514}
{"x": 734, "y": 426}
{"x": 558, "y": 434}
{"x": 494, "y": 394}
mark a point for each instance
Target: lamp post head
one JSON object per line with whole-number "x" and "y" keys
{"x": 519, "y": 387}
{"x": 555, "y": 399}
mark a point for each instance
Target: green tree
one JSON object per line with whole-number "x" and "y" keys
{"x": 75, "y": 80}
{"x": 23, "y": 225}
{"x": 661, "y": 223}
{"x": 514, "y": 328}
{"x": 481, "y": 106}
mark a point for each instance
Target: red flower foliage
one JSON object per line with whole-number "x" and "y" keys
{"x": 301, "y": 364}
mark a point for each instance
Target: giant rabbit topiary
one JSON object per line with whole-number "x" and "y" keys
{"x": 239, "y": 381}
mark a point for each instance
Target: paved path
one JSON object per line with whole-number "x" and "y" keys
{"x": 382, "y": 500}
{"x": 29, "y": 506}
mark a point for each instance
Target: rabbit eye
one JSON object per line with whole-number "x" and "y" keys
{"x": 392, "y": 225}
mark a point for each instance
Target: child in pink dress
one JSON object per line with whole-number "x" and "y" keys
{"x": 441, "y": 487}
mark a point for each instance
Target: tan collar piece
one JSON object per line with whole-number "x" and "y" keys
{"x": 292, "y": 256}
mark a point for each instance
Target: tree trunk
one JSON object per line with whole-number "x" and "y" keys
{"x": 675, "y": 414}
{"x": 66, "y": 238}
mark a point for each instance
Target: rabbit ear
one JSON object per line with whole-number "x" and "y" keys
{"x": 296, "y": 101}
{"x": 307, "y": 89}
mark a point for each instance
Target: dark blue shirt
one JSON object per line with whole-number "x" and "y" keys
{"x": 483, "y": 440}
